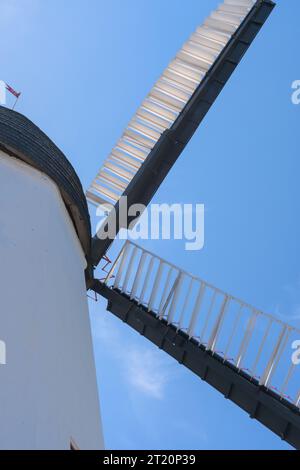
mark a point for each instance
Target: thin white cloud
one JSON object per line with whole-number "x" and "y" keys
{"x": 9, "y": 9}
{"x": 16, "y": 12}
{"x": 148, "y": 373}
{"x": 146, "y": 370}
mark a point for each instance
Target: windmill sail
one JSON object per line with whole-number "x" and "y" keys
{"x": 241, "y": 351}
{"x": 178, "y": 102}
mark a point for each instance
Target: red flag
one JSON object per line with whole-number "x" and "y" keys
{"x": 12, "y": 91}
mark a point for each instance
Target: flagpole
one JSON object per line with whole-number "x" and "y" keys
{"x": 15, "y": 103}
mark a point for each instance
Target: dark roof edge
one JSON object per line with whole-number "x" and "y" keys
{"x": 22, "y": 139}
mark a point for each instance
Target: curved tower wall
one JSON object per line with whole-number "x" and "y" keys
{"x": 48, "y": 389}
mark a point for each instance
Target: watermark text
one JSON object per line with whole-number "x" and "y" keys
{"x": 159, "y": 221}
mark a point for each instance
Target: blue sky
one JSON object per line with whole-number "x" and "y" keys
{"x": 83, "y": 68}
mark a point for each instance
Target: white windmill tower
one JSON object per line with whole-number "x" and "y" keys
{"x": 48, "y": 391}
{"x": 48, "y": 386}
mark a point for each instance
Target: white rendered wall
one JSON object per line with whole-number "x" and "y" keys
{"x": 48, "y": 389}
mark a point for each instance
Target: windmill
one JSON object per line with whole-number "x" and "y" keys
{"x": 53, "y": 403}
